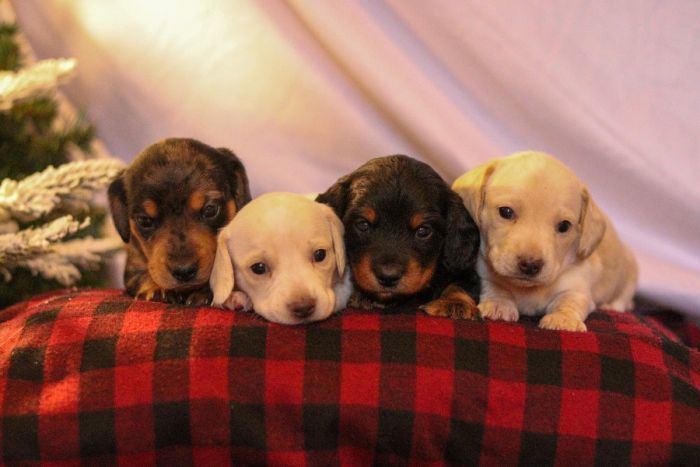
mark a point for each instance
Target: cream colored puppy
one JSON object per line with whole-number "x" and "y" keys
{"x": 546, "y": 248}
{"x": 286, "y": 257}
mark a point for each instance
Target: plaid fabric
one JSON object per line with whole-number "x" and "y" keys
{"x": 677, "y": 324}
{"x": 96, "y": 377}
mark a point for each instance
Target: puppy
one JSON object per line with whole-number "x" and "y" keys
{"x": 285, "y": 255}
{"x": 167, "y": 207}
{"x": 407, "y": 236}
{"x": 545, "y": 245}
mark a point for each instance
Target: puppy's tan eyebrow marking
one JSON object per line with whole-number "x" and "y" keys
{"x": 196, "y": 200}
{"x": 150, "y": 207}
{"x": 417, "y": 220}
{"x": 369, "y": 214}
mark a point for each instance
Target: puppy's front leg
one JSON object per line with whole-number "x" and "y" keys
{"x": 149, "y": 290}
{"x": 137, "y": 280}
{"x": 453, "y": 303}
{"x": 199, "y": 297}
{"x": 238, "y": 301}
{"x": 360, "y": 301}
{"x": 496, "y": 305}
{"x": 568, "y": 312}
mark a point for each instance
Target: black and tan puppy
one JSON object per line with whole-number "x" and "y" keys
{"x": 168, "y": 206}
{"x": 407, "y": 237}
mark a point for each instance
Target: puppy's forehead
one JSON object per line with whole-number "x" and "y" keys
{"x": 283, "y": 217}
{"x": 174, "y": 172}
{"x": 175, "y": 161}
{"x": 174, "y": 184}
{"x": 398, "y": 190}
{"x": 531, "y": 167}
{"x": 535, "y": 181}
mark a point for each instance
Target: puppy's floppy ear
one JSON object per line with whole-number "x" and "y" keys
{"x": 337, "y": 195}
{"x": 337, "y": 232}
{"x": 592, "y": 224}
{"x": 471, "y": 187}
{"x": 239, "y": 184}
{"x": 117, "y": 205}
{"x": 462, "y": 241}
{"x": 221, "y": 280}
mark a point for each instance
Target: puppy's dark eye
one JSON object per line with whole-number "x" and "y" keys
{"x": 319, "y": 255}
{"x": 563, "y": 226}
{"x": 424, "y": 232}
{"x": 145, "y": 222}
{"x": 362, "y": 225}
{"x": 210, "y": 211}
{"x": 259, "y": 268}
{"x": 506, "y": 212}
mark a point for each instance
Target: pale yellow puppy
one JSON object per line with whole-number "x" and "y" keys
{"x": 283, "y": 256}
{"x": 546, "y": 247}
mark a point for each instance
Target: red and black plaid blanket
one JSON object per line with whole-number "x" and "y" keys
{"x": 95, "y": 377}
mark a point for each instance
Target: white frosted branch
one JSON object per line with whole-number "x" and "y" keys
{"x": 38, "y": 251}
{"x": 42, "y": 192}
{"x": 41, "y": 77}
{"x": 34, "y": 241}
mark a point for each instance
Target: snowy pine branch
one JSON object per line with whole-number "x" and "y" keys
{"x": 39, "y": 194}
{"x": 41, "y": 77}
{"x": 62, "y": 262}
{"x": 15, "y": 248}
{"x": 41, "y": 215}
{"x": 41, "y": 251}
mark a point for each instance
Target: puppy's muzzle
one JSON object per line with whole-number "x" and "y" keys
{"x": 302, "y": 309}
{"x": 530, "y": 267}
{"x": 184, "y": 272}
{"x": 388, "y": 274}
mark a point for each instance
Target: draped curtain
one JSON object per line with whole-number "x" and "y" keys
{"x": 305, "y": 91}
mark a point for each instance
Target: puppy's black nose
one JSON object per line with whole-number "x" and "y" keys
{"x": 185, "y": 273}
{"x": 303, "y": 309}
{"x": 388, "y": 275}
{"x": 530, "y": 267}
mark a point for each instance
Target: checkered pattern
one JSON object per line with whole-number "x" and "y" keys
{"x": 95, "y": 376}
{"x": 681, "y": 326}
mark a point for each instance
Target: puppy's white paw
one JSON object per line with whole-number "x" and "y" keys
{"x": 504, "y": 310}
{"x": 562, "y": 322}
{"x": 239, "y": 301}
{"x": 617, "y": 305}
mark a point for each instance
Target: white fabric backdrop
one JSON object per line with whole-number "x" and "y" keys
{"x": 305, "y": 91}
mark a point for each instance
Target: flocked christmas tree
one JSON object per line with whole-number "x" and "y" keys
{"x": 49, "y": 223}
